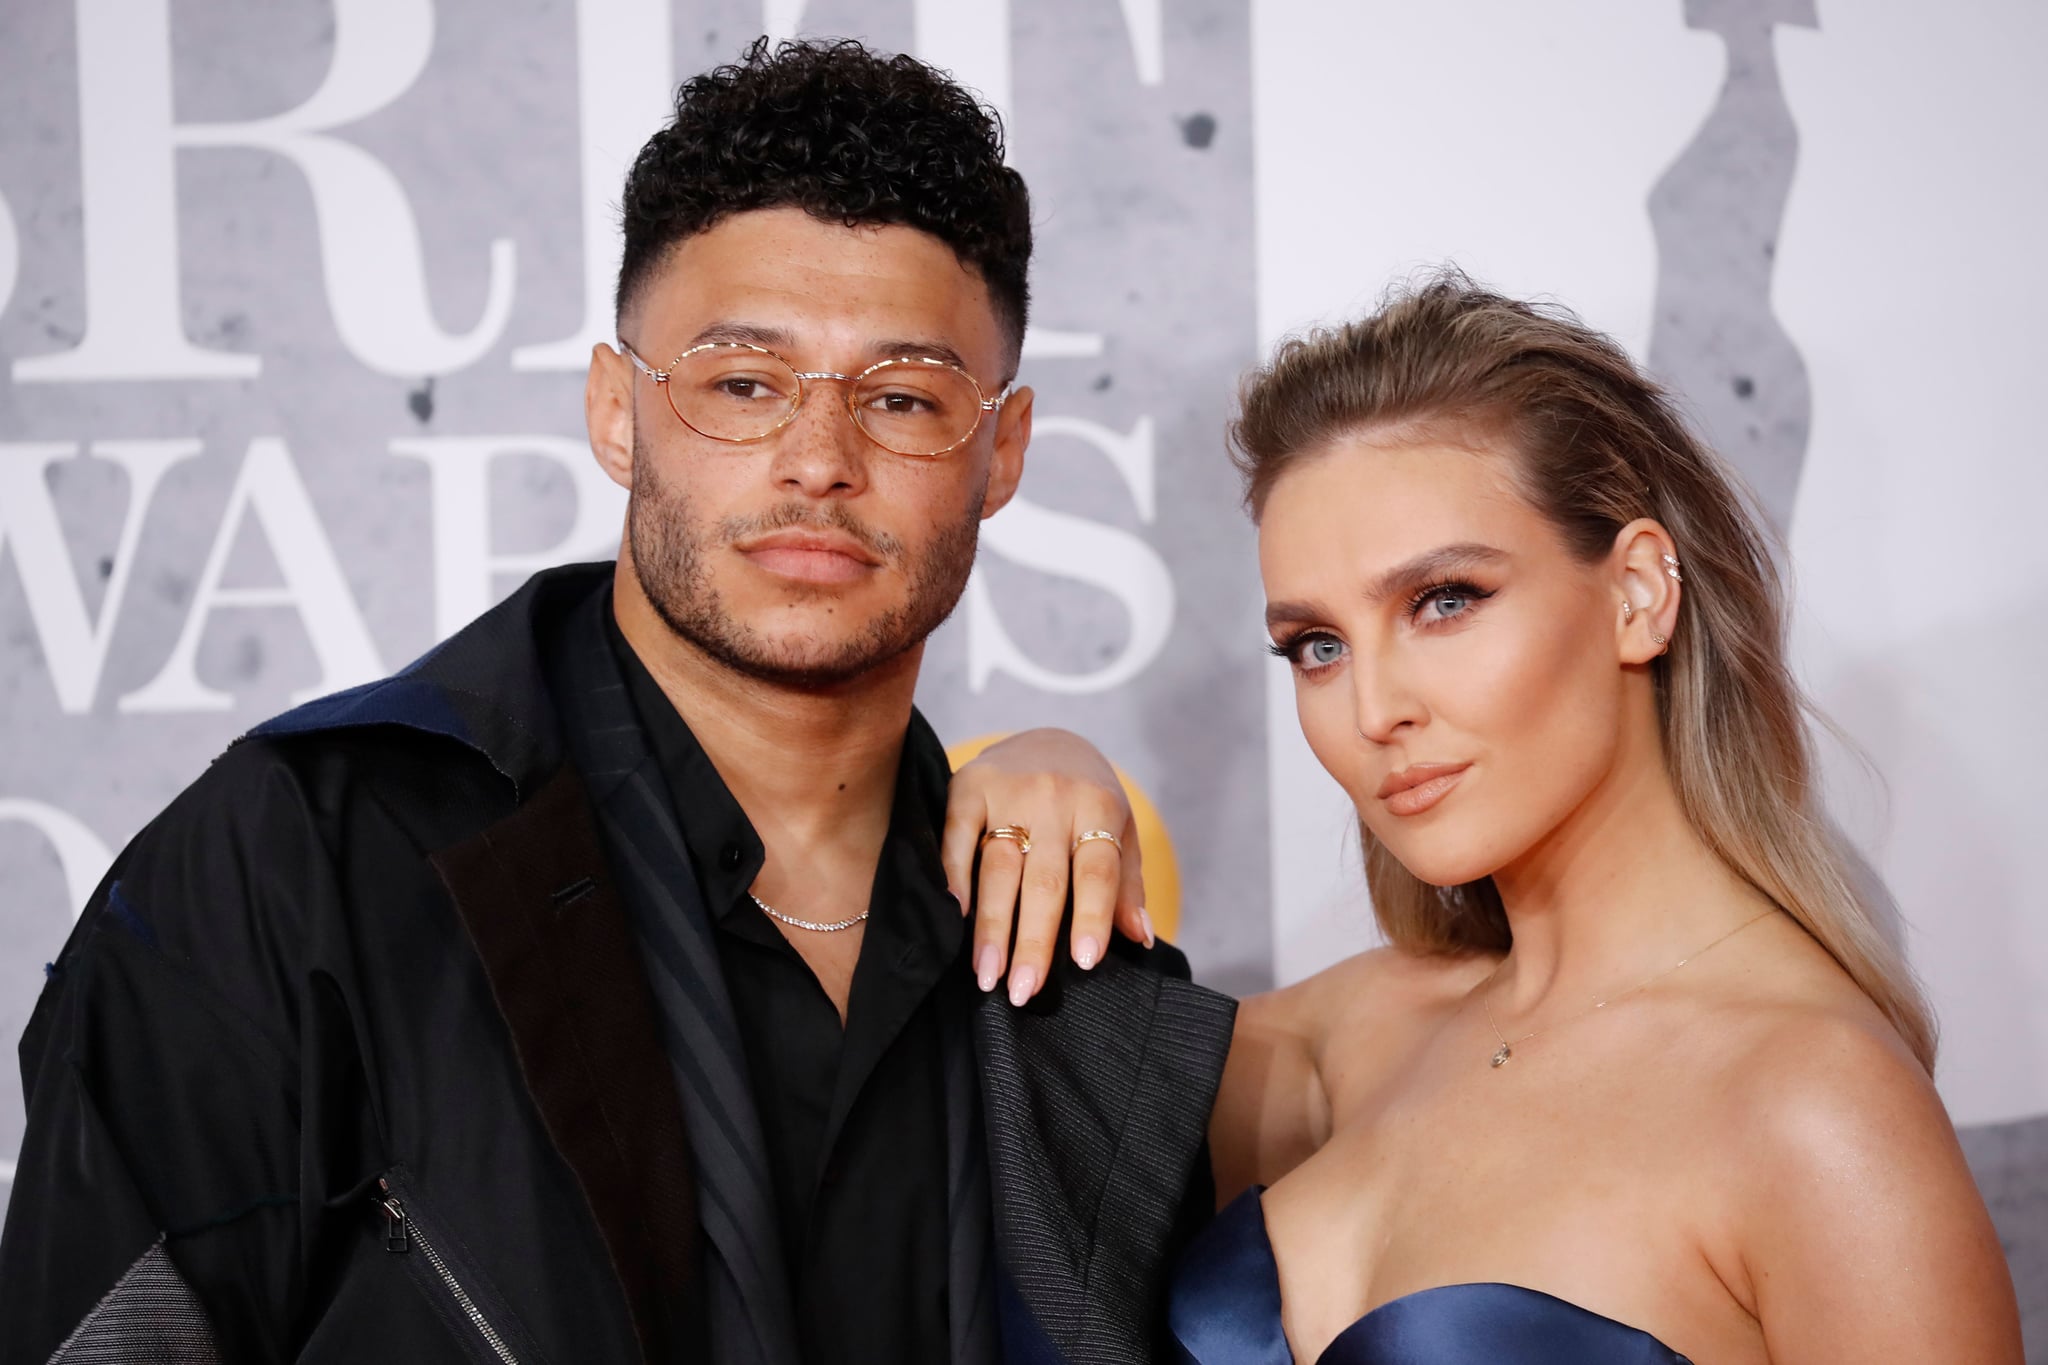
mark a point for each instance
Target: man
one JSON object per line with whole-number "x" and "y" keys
{"x": 591, "y": 990}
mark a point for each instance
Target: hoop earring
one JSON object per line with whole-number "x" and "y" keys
{"x": 1628, "y": 611}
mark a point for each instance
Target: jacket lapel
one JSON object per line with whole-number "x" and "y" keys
{"x": 708, "y": 1062}
{"x": 747, "y": 1292}
{"x": 542, "y": 909}
{"x": 970, "y": 1248}
{"x": 1097, "y": 1102}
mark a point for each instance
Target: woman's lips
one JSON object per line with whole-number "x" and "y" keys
{"x": 1419, "y": 786}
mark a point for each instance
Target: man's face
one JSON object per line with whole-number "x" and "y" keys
{"x": 813, "y": 555}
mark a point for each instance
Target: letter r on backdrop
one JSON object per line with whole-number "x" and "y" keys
{"x": 370, "y": 253}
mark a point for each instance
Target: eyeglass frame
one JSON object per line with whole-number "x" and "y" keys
{"x": 803, "y": 378}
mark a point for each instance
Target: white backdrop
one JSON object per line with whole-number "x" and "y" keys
{"x": 1911, "y": 276}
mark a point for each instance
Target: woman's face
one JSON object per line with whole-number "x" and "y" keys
{"x": 1455, "y": 668}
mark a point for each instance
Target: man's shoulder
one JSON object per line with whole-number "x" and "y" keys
{"x": 1162, "y": 957}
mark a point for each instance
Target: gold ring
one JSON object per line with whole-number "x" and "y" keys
{"x": 1085, "y": 835}
{"x": 1016, "y": 834}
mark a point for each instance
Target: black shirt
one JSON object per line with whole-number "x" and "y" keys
{"x": 854, "y": 1119}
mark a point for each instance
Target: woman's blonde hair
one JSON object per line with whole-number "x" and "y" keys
{"x": 1597, "y": 445}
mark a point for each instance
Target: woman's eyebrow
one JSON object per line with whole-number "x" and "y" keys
{"x": 1291, "y": 613}
{"x": 1433, "y": 566}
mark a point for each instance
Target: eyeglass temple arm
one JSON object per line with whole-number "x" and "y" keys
{"x": 658, "y": 376}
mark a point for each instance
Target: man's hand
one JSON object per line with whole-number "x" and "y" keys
{"x": 1057, "y": 786}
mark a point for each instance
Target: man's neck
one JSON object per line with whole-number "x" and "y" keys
{"x": 813, "y": 768}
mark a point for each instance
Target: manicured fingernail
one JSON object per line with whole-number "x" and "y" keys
{"x": 988, "y": 967}
{"x": 1145, "y": 921}
{"x": 1086, "y": 951}
{"x": 1021, "y": 982}
{"x": 958, "y": 897}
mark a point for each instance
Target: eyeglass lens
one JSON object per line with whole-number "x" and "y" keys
{"x": 741, "y": 394}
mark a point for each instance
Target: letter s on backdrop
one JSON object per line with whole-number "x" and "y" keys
{"x": 1107, "y": 557}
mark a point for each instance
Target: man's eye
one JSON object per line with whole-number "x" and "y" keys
{"x": 901, "y": 403}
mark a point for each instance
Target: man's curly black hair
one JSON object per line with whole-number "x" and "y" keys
{"x": 847, "y": 135}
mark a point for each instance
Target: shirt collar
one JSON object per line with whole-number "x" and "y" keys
{"x": 726, "y": 852}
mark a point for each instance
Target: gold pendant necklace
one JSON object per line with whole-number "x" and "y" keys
{"x": 1506, "y": 1051}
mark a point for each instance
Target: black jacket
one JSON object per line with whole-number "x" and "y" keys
{"x": 352, "y": 1057}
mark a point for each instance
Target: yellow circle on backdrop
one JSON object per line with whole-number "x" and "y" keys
{"x": 1162, "y": 869}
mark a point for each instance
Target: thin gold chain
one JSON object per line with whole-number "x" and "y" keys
{"x": 1506, "y": 1051}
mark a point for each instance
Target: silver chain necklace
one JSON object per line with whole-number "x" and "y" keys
{"x": 813, "y": 925}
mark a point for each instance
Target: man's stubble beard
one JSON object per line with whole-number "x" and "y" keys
{"x": 669, "y": 557}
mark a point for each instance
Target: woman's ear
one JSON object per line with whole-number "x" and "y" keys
{"x": 608, "y": 412}
{"x": 1649, "y": 580}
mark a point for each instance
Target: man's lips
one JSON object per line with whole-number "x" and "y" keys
{"x": 1419, "y": 786}
{"x": 810, "y": 555}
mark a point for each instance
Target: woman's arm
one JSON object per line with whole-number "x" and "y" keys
{"x": 1864, "y": 1237}
{"x": 1272, "y": 1110}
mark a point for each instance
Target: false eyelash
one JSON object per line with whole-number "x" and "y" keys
{"x": 1450, "y": 589}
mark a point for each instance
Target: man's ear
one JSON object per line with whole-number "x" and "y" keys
{"x": 1006, "y": 465}
{"x": 608, "y": 412}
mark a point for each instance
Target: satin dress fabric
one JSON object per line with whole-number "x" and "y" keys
{"x": 1225, "y": 1310}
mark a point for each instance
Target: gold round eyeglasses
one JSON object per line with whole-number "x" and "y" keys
{"x": 734, "y": 391}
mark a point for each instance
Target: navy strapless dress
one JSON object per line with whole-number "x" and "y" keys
{"x": 1225, "y": 1310}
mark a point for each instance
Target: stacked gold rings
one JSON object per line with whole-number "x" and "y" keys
{"x": 1016, "y": 834}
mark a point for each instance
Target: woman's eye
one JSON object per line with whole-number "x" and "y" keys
{"x": 1311, "y": 652}
{"x": 1446, "y": 602}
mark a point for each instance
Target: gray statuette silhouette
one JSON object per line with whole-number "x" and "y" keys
{"x": 1716, "y": 214}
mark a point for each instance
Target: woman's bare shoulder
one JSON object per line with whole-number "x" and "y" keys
{"x": 1837, "y": 1139}
{"x": 1384, "y": 994}
{"x": 1380, "y": 981}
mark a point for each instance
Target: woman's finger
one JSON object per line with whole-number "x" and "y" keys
{"x": 966, "y": 818}
{"x": 1131, "y": 919}
{"x": 995, "y": 900}
{"x": 1041, "y": 904}
{"x": 1097, "y": 879}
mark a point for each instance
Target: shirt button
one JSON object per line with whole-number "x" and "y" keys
{"x": 730, "y": 857}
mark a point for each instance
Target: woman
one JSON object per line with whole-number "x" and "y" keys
{"x": 1638, "y": 1078}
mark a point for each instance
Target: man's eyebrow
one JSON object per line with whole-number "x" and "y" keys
{"x": 781, "y": 340}
{"x": 750, "y": 333}
{"x": 936, "y": 350}
{"x": 1432, "y": 567}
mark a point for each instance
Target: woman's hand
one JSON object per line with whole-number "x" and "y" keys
{"x": 1057, "y": 786}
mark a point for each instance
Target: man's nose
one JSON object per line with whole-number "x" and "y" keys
{"x": 822, "y": 452}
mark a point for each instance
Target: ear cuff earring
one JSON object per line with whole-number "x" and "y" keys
{"x": 1628, "y": 614}
{"x": 1671, "y": 567}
